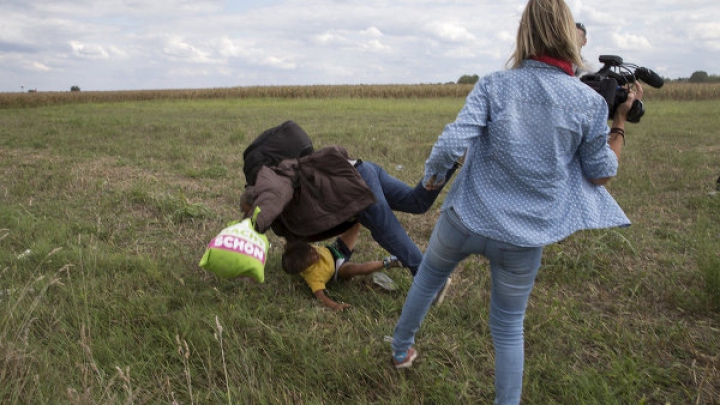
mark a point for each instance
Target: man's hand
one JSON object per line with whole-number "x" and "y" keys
{"x": 431, "y": 185}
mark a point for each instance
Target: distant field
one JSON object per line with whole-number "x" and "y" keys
{"x": 671, "y": 91}
{"x": 108, "y": 199}
{"x": 292, "y": 92}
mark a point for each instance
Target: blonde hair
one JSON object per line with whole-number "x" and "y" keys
{"x": 547, "y": 28}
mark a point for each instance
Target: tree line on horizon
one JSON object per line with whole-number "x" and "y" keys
{"x": 698, "y": 76}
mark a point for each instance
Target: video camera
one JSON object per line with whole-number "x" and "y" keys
{"x": 612, "y": 81}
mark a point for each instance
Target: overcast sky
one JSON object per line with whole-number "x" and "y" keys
{"x": 51, "y": 45}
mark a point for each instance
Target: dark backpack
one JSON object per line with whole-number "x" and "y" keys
{"x": 285, "y": 141}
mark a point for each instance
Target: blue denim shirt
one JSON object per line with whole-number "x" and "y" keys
{"x": 534, "y": 136}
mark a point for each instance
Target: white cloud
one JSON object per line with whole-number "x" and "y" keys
{"x": 630, "y": 42}
{"x": 89, "y": 51}
{"x": 370, "y": 39}
{"x": 234, "y": 48}
{"x": 185, "y": 71}
{"x": 117, "y": 53}
{"x": 372, "y": 32}
{"x": 177, "y": 49}
{"x": 450, "y": 31}
{"x": 376, "y": 45}
{"x": 280, "y": 63}
{"x": 39, "y": 67}
{"x": 122, "y": 43}
{"x": 327, "y": 38}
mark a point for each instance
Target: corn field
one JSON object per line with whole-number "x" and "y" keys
{"x": 14, "y": 100}
{"x": 681, "y": 91}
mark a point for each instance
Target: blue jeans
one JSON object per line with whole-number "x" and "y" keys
{"x": 394, "y": 195}
{"x": 513, "y": 270}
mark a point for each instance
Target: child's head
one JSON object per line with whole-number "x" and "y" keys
{"x": 298, "y": 256}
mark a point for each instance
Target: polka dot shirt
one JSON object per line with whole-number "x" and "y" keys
{"x": 534, "y": 136}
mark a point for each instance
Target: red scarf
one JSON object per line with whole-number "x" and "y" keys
{"x": 562, "y": 64}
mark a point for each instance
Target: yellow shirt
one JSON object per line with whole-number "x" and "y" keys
{"x": 321, "y": 271}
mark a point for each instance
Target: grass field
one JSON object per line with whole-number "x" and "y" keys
{"x": 106, "y": 207}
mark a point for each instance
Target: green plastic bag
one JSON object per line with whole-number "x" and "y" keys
{"x": 238, "y": 251}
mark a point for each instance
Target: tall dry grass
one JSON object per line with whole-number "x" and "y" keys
{"x": 671, "y": 91}
{"x": 14, "y": 100}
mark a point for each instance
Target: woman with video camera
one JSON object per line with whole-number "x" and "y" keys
{"x": 538, "y": 150}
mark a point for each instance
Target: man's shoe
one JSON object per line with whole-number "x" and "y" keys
{"x": 384, "y": 281}
{"x": 391, "y": 261}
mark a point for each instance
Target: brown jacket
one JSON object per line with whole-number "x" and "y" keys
{"x": 314, "y": 197}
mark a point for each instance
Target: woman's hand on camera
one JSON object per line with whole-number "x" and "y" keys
{"x": 622, "y": 109}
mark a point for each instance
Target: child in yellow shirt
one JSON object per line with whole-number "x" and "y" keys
{"x": 320, "y": 264}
